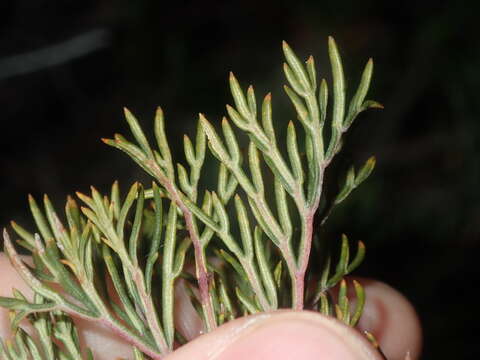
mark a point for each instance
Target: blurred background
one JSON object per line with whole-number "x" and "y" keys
{"x": 68, "y": 67}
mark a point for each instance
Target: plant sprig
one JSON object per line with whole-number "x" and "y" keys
{"x": 140, "y": 243}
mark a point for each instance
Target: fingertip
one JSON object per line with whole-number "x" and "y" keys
{"x": 392, "y": 319}
{"x": 277, "y": 336}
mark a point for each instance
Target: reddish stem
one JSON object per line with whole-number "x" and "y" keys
{"x": 200, "y": 263}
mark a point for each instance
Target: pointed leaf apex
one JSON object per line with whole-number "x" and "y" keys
{"x": 310, "y": 59}
{"x": 126, "y": 111}
{"x": 285, "y": 44}
{"x": 159, "y": 114}
{"x": 231, "y": 75}
{"x": 268, "y": 97}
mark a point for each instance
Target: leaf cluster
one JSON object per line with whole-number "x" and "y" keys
{"x": 116, "y": 259}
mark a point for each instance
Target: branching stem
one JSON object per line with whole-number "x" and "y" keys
{"x": 200, "y": 260}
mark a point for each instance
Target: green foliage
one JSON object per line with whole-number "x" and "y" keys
{"x": 142, "y": 241}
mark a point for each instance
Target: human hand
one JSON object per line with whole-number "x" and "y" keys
{"x": 279, "y": 335}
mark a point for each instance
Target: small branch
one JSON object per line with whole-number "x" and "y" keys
{"x": 200, "y": 261}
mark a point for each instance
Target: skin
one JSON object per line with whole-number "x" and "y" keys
{"x": 279, "y": 335}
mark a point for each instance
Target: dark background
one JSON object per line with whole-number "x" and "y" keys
{"x": 68, "y": 67}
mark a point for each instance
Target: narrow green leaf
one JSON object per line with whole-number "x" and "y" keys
{"x": 162, "y": 142}
{"x": 342, "y": 297}
{"x": 221, "y": 214}
{"x": 40, "y": 219}
{"x": 252, "y": 102}
{"x": 72, "y": 211}
{"x": 127, "y": 204}
{"x": 244, "y": 224}
{"x": 282, "y": 208}
{"x": 359, "y": 97}
{"x": 265, "y": 272}
{"x": 365, "y": 171}
{"x": 267, "y": 119}
{"x": 136, "y": 227}
{"x": 183, "y": 180}
{"x": 297, "y": 67}
{"x": 234, "y": 262}
{"x": 188, "y": 149}
{"x": 338, "y": 84}
{"x": 246, "y": 302}
{"x": 138, "y": 133}
{"x": 231, "y": 141}
{"x": 200, "y": 144}
{"x": 55, "y": 224}
{"x": 359, "y": 256}
{"x": 299, "y": 105}
{"x": 255, "y": 170}
{"x": 359, "y": 304}
{"x": 156, "y": 238}
{"x": 323, "y": 100}
{"x": 293, "y": 80}
{"x": 371, "y": 104}
{"x": 118, "y": 283}
{"x": 347, "y": 187}
{"x": 215, "y": 143}
{"x": 23, "y": 233}
{"x": 200, "y": 214}
{"x": 239, "y": 97}
{"x": 312, "y": 72}
{"x": 167, "y": 274}
{"x": 181, "y": 252}
{"x": 344, "y": 256}
{"x": 226, "y": 301}
{"x": 325, "y": 305}
{"x": 293, "y": 153}
{"x": 277, "y": 274}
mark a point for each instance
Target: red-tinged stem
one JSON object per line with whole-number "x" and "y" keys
{"x": 151, "y": 312}
{"x": 307, "y": 237}
{"x": 200, "y": 262}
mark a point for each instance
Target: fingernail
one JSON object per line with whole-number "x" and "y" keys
{"x": 296, "y": 335}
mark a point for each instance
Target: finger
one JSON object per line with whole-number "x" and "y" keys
{"x": 280, "y": 335}
{"x": 390, "y": 317}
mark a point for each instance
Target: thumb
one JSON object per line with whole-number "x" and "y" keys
{"x": 280, "y": 335}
